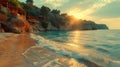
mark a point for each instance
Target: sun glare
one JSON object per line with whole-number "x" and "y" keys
{"x": 76, "y": 13}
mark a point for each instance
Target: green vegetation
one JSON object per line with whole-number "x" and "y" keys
{"x": 44, "y": 11}
{"x": 55, "y": 11}
{"x": 15, "y": 3}
{"x": 44, "y": 25}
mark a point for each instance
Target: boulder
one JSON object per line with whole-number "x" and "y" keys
{"x": 16, "y": 25}
{"x": 3, "y": 17}
{"x": 1, "y": 29}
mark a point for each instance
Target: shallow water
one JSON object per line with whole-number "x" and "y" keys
{"x": 98, "y": 46}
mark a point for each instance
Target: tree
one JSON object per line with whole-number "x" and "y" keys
{"x": 55, "y": 11}
{"x": 15, "y": 3}
{"x": 31, "y": 1}
{"x": 44, "y": 25}
{"x": 44, "y": 11}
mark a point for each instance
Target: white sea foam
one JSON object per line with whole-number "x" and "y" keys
{"x": 91, "y": 45}
{"x": 41, "y": 57}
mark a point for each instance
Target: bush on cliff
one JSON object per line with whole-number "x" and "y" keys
{"x": 15, "y": 3}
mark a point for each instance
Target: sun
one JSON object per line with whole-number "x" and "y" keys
{"x": 76, "y": 13}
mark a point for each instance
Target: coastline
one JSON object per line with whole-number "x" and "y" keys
{"x": 19, "y": 50}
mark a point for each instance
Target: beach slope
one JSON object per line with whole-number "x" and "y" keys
{"x": 11, "y": 48}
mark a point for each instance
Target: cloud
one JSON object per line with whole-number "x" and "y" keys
{"x": 55, "y": 3}
{"x": 94, "y": 6}
{"x": 97, "y": 4}
{"x": 109, "y": 11}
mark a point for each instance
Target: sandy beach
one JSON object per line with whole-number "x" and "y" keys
{"x": 16, "y": 51}
{"x": 19, "y": 50}
{"x": 11, "y": 48}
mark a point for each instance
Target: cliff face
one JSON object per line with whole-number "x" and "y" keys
{"x": 13, "y": 18}
{"x": 102, "y": 26}
{"x": 92, "y": 26}
{"x": 79, "y": 25}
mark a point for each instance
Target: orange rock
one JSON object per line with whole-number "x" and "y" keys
{"x": 3, "y": 17}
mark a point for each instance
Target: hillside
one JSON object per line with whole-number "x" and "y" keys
{"x": 20, "y": 17}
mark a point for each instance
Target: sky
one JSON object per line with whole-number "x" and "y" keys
{"x": 100, "y": 11}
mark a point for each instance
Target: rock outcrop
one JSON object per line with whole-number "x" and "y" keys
{"x": 82, "y": 25}
{"x": 102, "y": 26}
{"x": 18, "y": 25}
{"x": 13, "y": 18}
{"x": 34, "y": 24}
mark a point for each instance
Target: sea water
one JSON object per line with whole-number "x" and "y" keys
{"x": 101, "y": 47}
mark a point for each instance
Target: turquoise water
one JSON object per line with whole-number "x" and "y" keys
{"x": 99, "y": 46}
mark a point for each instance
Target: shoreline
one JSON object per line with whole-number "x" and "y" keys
{"x": 15, "y": 51}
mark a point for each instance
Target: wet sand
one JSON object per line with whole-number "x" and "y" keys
{"x": 11, "y": 48}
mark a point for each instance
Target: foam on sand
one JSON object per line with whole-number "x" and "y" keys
{"x": 41, "y": 57}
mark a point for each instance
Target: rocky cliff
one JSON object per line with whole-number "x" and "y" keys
{"x": 102, "y": 26}
{"x": 79, "y": 25}
{"x": 24, "y": 18}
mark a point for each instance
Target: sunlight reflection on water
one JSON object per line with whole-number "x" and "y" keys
{"x": 101, "y": 46}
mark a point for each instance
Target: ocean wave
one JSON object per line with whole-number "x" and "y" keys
{"x": 68, "y": 50}
{"x": 82, "y": 53}
{"x": 41, "y": 57}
